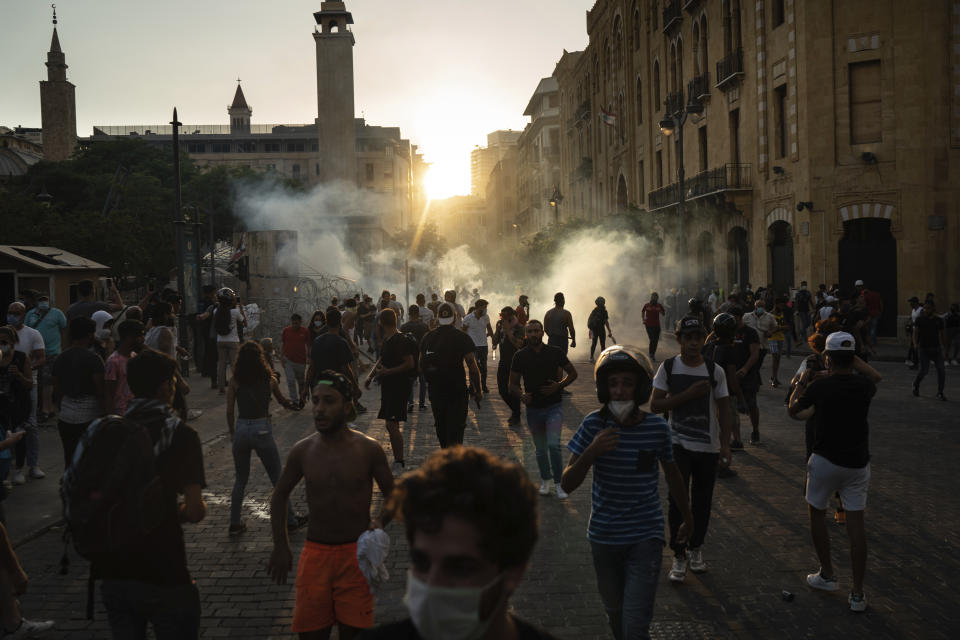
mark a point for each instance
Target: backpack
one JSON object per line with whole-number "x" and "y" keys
{"x": 112, "y": 495}
{"x": 595, "y": 320}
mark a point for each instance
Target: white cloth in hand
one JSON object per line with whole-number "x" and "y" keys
{"x": 372, "y": 549}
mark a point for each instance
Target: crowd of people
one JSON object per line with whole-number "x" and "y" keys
{"x": 470, "y": 518}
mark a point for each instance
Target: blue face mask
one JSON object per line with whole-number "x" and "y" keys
{"x": 760, "y": 311}
{"x": 43, "y": 306}
{"x": 13, "y": 320}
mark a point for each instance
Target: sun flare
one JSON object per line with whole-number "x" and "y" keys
{"x": 445, "y": 179}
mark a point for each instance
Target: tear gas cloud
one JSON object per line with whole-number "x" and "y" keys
{"x": 622, "y": 267}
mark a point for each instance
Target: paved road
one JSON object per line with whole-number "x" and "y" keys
{"x": 758, "y": 543}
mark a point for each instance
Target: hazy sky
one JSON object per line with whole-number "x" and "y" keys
{"x": 446, "y": 72}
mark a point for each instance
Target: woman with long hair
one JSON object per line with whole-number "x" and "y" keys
{"x": 318, "y": 324}
{"x": 227, "y": 320}
{"x": 250, "y": 389}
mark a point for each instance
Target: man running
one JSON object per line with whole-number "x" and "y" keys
{"x": 557, "y": 322}
{"x": 538, "y": 363}
{"x": 840, "y": 462}
{"x": 509, "y": 337}
{"x": 697, "y": 400}
{"x": 339, "y": 466}
{"x": 651, "y": 313}
{"x": 477, "y": 325}
{"x": 599, "y": 325}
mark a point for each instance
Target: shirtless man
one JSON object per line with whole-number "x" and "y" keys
{"x": 339, "y": 466}
{"x": 557, "y": 322}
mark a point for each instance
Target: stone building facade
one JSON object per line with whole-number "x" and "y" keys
{"x": 58, "y": 105}
{"x": 538, "y": 159}
{"x": 822, "y": 145}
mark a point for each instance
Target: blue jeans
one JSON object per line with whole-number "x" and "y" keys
{"x": 545, "y": 424}
{"x": 627, "y": 576}
{"x": 174, "y": 611}
{"x": 253, "y": 435}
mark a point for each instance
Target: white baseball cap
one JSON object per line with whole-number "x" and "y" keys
{"x": 858, "y": 283}
{"x": 840, "y": 341}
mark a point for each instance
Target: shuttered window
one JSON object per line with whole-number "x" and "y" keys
{"x": 865, "y": 102}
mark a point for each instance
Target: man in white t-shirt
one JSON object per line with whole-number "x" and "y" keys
{"x": 695, "y": 394}
{"x": 426, "y": 315}
{"x": 30, "y": 342}
{"x": 827, "y": 308}
{"x": 477, "y": 326}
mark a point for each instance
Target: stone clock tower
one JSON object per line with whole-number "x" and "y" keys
{"x": 335, "y": 111}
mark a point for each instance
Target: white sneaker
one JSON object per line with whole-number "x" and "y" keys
{"x": 817, "y": 581}
{"x": 544, "y": 487}
{"x": 858, "y": 603}
{"x": 679, "y": 570}
{"x": 37, "y": 473}
{"x": 563, "y": 495}
{"x": 18, "y": 477}
{"x": 29, "y": 628}
{"x": 695, "y": 560}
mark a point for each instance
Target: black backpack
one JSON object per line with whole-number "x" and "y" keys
{"x": 112, "y": 496}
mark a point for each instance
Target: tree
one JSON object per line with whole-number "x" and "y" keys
{"x": 427, "y": 243}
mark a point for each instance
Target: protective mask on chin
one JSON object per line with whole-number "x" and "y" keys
{"x": 621, "y": 409}
{"x": 13, "y": 320}
{"x": 43, "y": 306}
{"x": 102, "y": 334}
{"x": 759, "y": 311}
{"x": 446, "y": 613}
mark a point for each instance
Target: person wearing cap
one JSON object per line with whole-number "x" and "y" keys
{"x": 623, "y": 444}
{"x": 476, "y": 324}
{"x": 51, "y": 323}
{"x": 443, "y": 353}
{"x": 339, "y": 466}
{"x": 695, "y": 394}
{"x": 916, "y": 309}
{"x": 929, "y": 343}
{"x": 557, "y": 322}
{"x": 840, "y": 460}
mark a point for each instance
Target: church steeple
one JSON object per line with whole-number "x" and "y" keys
{"x": 239, "y": 112}
{"x": 58, "y": 105}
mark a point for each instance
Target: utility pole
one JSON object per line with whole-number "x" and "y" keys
{"x": 178, "y": 222}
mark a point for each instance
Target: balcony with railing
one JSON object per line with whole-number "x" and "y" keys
{"x": 672, "y": 14}
{"x": 674, "y": 103}
{"x": 730, "y": 68}
{"x": 727, "y": 178}
{"x": 699, "y": 87}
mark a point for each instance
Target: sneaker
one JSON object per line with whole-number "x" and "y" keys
{"x": 817, "y": 581}
{"x": 18, "y": 477}
{"x": 236, "y": 529}
{"x": 940, "y": 396}
{"x": 423, "y": 406}
{"x": 410, "y": 408}
{"x": 37, "y": 473}
{"x": 679, "y": 570}
{"x": 544, "y": 488}
{"x": 736, "y": 445}
{"x": 725, "y": 472}
{"x": 514, "y": 420}
{"x": 755, "y": 437}
{"x": 29, "y": 628}
{"x": 916, "y": 391}
{"x": 398, "y": 468}
{"x": 858, "y": 602}
{"x": 695, "y": 560}
{"x": 561, "y": 494}
{"x": 298, "y": 524}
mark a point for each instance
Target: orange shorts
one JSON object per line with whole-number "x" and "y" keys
{"x": 331, "y": 588}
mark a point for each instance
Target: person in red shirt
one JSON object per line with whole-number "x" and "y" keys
{"x": 523, "y": 310}
{"x": 651, "y": 313}
{"x": 296, "y": 347}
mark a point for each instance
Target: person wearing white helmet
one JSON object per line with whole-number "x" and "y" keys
{"x": 623, "y": 444}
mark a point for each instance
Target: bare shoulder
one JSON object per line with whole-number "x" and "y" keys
{"x": 303, "y": 446}
{"x": 369, "y": 445}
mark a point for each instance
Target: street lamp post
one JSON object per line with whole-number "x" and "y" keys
{"x": 555, "y": 201}
{"x": 178, "y": 224}
{"x": 674, "y": 123}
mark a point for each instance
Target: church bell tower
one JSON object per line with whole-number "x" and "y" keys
{"x": 335, "y": 110}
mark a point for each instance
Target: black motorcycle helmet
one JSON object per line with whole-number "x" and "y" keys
{"x": 619, "y": 358}
{"x": 695, "y": 305}
{"x": 724, "y": 326}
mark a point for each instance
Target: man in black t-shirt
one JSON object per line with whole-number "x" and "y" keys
{"x": 443, "y": 353}
{"x": 154, "y": 585}
{"x": 537, "y": 364}
{"x": 417, "y": 328}
{"x": 330, "y": 350}
{"x": 840, "y": 462}
{"x": 746, "y": 343}
{"x": 78, "y": 383}
{"x": 509, "y": 338}
{"x": 802, "y": 303}
{"x": 398, "y": 360}
{"x": 473, "y": 560}
{"x": 928, "y": 342}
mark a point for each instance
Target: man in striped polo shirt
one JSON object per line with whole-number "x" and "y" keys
{"x": 626, "y": 531}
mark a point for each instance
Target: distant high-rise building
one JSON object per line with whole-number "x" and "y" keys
{"x": 58, "y": 104}
{"x": 335, "y": 109}
{"x": 484, "y": 159}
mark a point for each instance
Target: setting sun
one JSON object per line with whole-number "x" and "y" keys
{"x": 446, "y": 179}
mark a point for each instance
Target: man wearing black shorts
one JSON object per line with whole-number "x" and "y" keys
{"x": 746, "y": 344}
{"x": 396, "y": 364}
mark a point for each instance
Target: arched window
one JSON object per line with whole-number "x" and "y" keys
{"x": 636, "y": 26}
{"x": 606, "y": 60}
{"x": 656, "y": 86}
{"x": 654, "y": 10}
{"x": 672, "y": 78}
{"x": 621, "y": 118}
{"x": 333, "y": 27}
{"x": 679, "y": 86}
{"x": 639, "y": 100}
{"x": 696, "y": 49}
{"x": 704, "y": 65}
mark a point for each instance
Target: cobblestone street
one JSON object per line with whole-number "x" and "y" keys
{"x": 758, "y": 544}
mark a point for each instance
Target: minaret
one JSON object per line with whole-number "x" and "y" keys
{"x": 239, "y": 113}
{"x": 335, "y": 124}
{"x": 58, "y": 104}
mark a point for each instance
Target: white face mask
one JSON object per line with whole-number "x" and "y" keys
{"x": 446, "y": 613}
{"x": 621, "y": 409}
